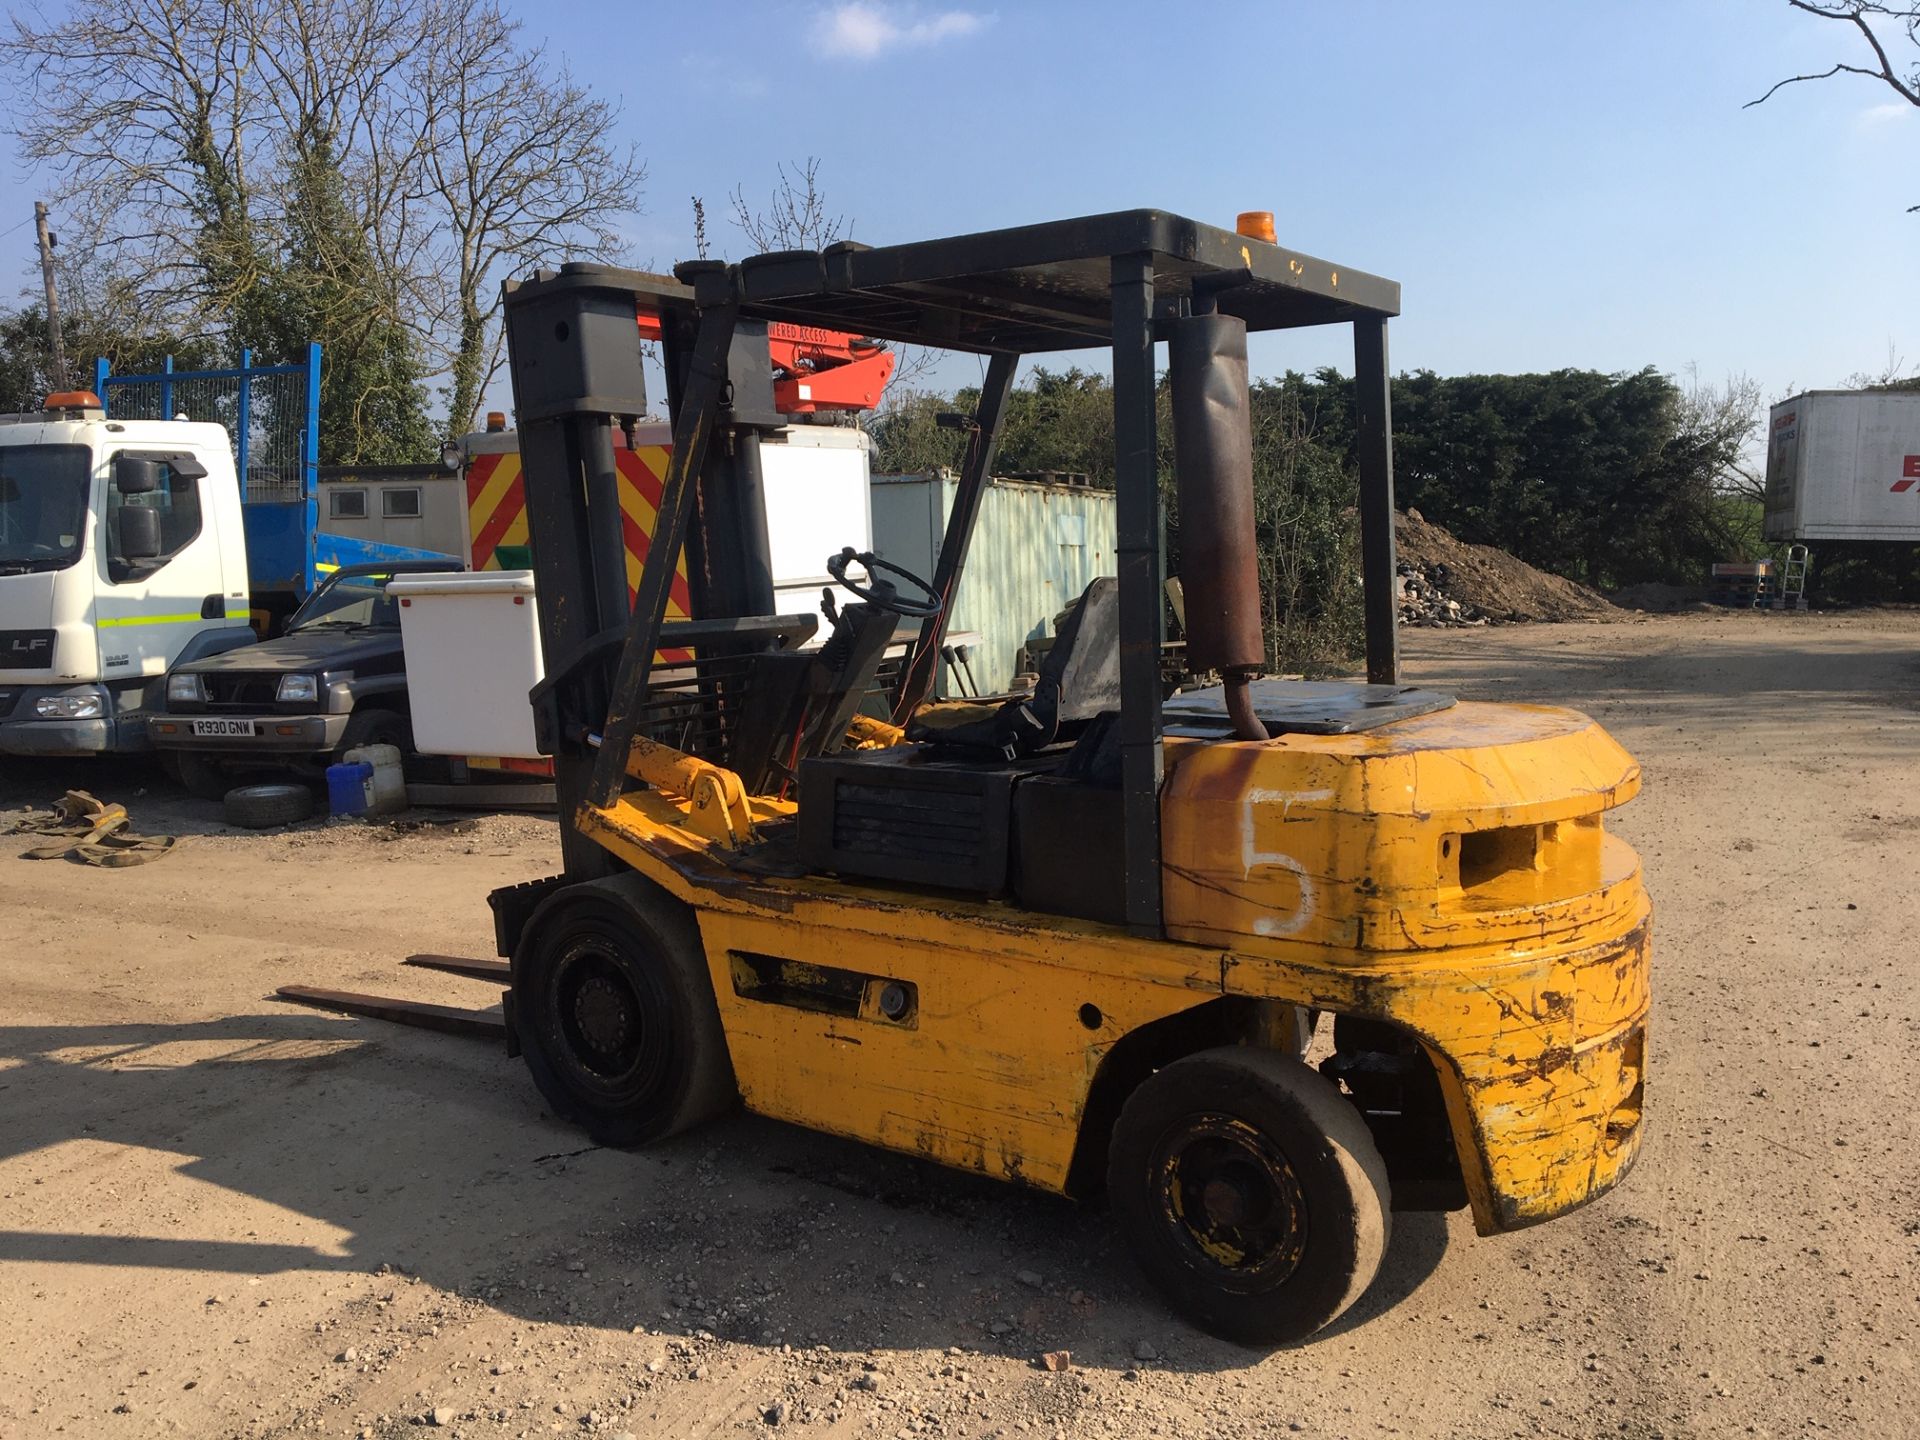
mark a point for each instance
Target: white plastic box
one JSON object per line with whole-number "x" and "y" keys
{"x": 473, "y": 653}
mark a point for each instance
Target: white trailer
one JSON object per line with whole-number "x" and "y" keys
{"x": 1844, "y": 465}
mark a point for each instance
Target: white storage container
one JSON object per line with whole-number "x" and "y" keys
{"x": 473, "y": 653}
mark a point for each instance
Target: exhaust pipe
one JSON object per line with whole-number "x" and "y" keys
{"x": 1213, "y": 475}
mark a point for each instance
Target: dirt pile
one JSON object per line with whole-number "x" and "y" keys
{"x": 1661, "y": 599}
{"x": 1445, "y": 581}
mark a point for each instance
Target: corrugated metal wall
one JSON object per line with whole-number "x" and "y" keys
{"x": 1036, "y": 548}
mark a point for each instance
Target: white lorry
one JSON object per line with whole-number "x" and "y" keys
{"x": 1844, "y": 465}
{"x": 126, "y": 548}
{"x": 122, "y": 551}
{"x": 815, "y": 479}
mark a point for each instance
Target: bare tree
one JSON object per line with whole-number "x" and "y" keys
{"x": 1726, "y": 423}
{"x": 520, "y": 166}
{"x": 209, "y": 154}
{"x": 333, "y": 70}
{"x": 149, "y": 114}
{"x": 1869, "y": 18}
{"x": 797, "y": 216}
{"x": 369, "y": 168}
{"x": 1896, "y": 374}
{"x": 701, "y": 248}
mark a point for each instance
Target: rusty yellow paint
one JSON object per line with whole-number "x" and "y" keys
{"x": 1478, "y": 825}
{"x": 1450, "y": 874}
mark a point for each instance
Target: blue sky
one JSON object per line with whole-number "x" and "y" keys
{"x": 1552, "y": 184}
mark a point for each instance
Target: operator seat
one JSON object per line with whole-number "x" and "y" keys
{"x": 1079, "y": 679}
{"x": 941, "y": 812}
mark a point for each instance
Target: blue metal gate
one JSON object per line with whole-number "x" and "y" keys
{"x": 271, "y": 412}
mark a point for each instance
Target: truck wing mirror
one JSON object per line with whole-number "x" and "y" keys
{"x": 139, "y": 532}
{"x": 134, "y": 476}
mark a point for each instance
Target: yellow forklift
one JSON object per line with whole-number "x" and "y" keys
{"x": 1260, "y": 962}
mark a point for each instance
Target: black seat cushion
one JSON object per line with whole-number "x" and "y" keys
{"x": 1078, "y": 680}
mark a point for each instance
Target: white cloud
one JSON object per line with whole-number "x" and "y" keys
{"x": 862, "y": 29}
{"x": 1875, "y": 116}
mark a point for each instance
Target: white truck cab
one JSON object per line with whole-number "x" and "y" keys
{"x": 122, "y": 552}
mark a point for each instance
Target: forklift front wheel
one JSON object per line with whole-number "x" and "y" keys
{"x": 1251, "y": 1193}
{"x": 616, "y": 1015}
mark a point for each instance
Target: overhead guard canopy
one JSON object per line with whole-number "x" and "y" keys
{"x": 1037, "y": 288}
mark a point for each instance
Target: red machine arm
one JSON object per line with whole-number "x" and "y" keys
{"x": 815, "y": 369}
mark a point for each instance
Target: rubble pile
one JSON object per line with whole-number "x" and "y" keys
{"x": 1444, "y": 581}
{"x": 1423, "y": 600}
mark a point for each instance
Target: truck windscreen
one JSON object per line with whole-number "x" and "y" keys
{"x": 43, "y": 506}
{"x": 348, "y": 602}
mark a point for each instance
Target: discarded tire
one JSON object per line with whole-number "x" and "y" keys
{"x": 261, "y": 807}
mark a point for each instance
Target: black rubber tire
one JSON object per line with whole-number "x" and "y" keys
{"x": 262, "y": 807}
{"x": 1251, "y": 1105}
{"x": 201, "y": 776}
{"x": 375, "y": 725}
{"x": 614, "y": 1010}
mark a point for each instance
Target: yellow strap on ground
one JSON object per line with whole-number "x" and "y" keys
{"x": 92, "y": 831}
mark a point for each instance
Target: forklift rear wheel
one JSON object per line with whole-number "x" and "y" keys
{"x": 615, "y": 1012}
{"x": 1250, "y": 1192}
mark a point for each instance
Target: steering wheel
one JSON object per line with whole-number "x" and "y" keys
{"x": 880, "y": 593}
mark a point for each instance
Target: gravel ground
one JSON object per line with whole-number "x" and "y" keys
{"x": 223, "y": 1216}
